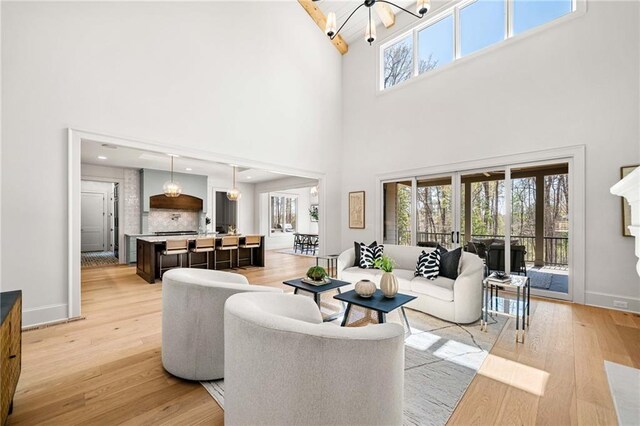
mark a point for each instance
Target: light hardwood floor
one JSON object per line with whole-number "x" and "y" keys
{"x": 106, "y": 369}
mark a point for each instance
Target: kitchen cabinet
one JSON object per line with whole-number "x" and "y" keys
{"x": 152, "y": 181}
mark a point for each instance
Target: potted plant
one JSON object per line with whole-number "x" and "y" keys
{"x": 388, "y": 282}
{"x": 317, "y": 274}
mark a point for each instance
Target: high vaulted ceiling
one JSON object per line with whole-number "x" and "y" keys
{"x": 384, "y": 14}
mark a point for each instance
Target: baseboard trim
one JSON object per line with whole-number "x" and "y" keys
{"x": 45, "y": 315}
{"x": 605, "y": 300}
{"x": 51, "y": 324}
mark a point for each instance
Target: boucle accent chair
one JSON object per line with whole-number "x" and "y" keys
{"x": 458, "y": 300}
{"x": 192, "y": 320}
{"x": 284, "y": 366}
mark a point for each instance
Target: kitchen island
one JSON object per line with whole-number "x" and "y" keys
{"x": 148, "y": 249}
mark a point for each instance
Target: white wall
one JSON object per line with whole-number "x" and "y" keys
{"x": 572, "y": 84}
{"x": 225, "y": 77}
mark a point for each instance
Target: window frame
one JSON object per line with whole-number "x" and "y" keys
{"x": 579, "y": 9}
{"x": 283, "y": 195}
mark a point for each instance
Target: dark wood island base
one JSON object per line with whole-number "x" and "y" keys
{"x": 149, "y": 248}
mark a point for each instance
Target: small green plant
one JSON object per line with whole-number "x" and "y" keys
{"x": 384, "y": 263}
{"x": 317, "y": 273}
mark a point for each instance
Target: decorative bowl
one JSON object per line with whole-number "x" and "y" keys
{"x": 365, "y": 288}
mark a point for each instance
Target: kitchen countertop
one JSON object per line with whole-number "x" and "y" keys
{"x": 164, "y": 238}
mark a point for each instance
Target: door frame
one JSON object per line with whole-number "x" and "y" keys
{"x": 74, "y": 143}
{"x": 573, "y": 155}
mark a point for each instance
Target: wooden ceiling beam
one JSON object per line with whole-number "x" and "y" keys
{"x": 321, "y": 20}
{"x": 386, "y": 15}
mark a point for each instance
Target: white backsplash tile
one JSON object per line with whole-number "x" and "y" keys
{"x": 131, "y": 201}
{"x": 173, "y": 220}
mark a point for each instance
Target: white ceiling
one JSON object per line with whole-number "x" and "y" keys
{"x": 138, "y": 159}
{"x": 354, "y": 30}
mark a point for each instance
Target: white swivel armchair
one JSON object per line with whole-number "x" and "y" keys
{"x": 284, "y": 366}
{"x": 192, "y": 320}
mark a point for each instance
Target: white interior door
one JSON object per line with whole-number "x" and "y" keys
{"x": 92, "y": 225}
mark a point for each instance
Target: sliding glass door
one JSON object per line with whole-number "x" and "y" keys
{"x": 436, "y": 212}
{"x": 515, "y": 218}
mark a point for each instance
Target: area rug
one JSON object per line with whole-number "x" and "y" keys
{"x": 548, "y": 281}
{"x": 97, "y": 258}
{"x": 624, "y": 385}
{"x": 441, "y": 359}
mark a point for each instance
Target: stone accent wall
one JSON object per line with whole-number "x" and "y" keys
{"x": 131, "y": 201}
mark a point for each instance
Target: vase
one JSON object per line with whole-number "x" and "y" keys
{"x": 365, "y": 288}
{"x": 389, "y": 285}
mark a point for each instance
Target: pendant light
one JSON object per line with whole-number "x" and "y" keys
{"x": 422, "y": 7}
{"x": 170, "y": 188}
{"x": 234, "y": 193}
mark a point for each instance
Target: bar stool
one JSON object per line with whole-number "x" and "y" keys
{"x": 229, "y": 243}
{"x": 173, "y": 247}
{"x": 203, "y": 245}
{"x": 250, "y": 242}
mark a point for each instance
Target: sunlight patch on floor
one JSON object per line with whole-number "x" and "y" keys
{"x": 421, "y": 340}
{"x": 465, "y": 355}
{"x": 512, "y": 373}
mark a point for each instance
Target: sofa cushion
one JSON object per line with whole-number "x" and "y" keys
{"x": 449, "y": 262}
{"x": 355, "y": 274}
{"x": 440, "y": 288}
{"x": 428, "y": 265}
{"x": 369, "y": 255}
{"x": 356, "y": 249}
{"x": 404, "y": 279}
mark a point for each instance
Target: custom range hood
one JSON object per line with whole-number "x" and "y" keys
{"x": 183, "y": 202}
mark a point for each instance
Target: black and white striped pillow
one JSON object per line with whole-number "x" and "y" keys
{"x": 428, "y": 265}
{"x": 368, "y": 255}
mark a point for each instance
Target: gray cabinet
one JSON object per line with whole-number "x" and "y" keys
{"x": 151, "y": 182}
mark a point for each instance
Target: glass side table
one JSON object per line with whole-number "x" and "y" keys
{"x": 331, "y": 261}
{"x": 494, "y": 304}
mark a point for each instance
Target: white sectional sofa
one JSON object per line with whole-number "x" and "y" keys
{"x": 458, "y": 301}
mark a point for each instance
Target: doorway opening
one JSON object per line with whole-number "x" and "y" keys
{"x": 99, "y": 225}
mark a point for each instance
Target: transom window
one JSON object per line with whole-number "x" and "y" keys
{"x": 461, "y": 30}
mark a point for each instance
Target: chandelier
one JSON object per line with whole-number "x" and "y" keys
{"x": 422, "y": 7}
{"x": 234, "y": 193}
{"x": 170, "y": 188}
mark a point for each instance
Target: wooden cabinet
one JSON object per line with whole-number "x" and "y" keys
{"x": 10, "y": 349}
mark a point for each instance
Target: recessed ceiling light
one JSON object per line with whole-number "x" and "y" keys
{"x": 248, "y": 177}
{"x": 188, "y": 169}
{"x": 101, "y": 157}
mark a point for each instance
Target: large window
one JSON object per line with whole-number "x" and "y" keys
{"x": 460, "y": 30}
{"x": 398, "y": 62}
{"x": 482, "y": 23}
{"x": 435, "y": 44}
{"x": 529, "y": 14}
{"x": 284, "y": 213}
